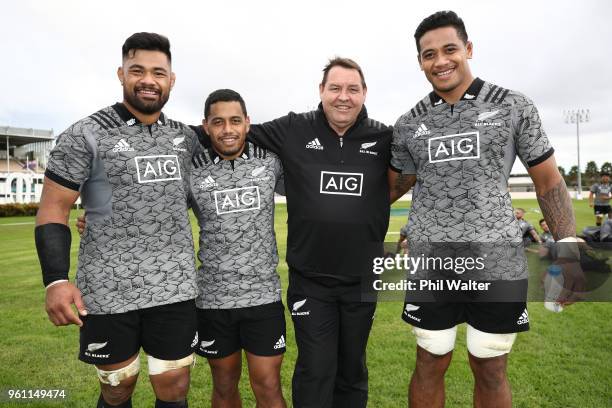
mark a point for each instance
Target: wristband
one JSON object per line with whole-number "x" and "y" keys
{"x": 53, "y": 247}
{"x": 55, "y": 283}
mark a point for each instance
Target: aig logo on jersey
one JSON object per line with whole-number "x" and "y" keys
{"x": 153, "y": 169}
{"x": 341, "y": 183}
{"x": 237, "y": 200}
{"x": 462, "y": 146}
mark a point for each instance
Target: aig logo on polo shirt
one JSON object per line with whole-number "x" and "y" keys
{"x": 341, "y": 183}
{"x": 154, "y": 169}
{"x": 237, "y": 200}
{"x": 462, "y": 146}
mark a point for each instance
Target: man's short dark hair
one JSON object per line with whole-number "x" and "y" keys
{"x": 541, "y": 221}
{"x": 441, "y": 19}
{"x": 604, "y": 173}
{"x": 223, "y": 95}
{"x": 146, "y": 41}
{"x": 344, "y": 63}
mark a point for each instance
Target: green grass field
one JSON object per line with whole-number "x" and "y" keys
{"x": 564, "y": 361}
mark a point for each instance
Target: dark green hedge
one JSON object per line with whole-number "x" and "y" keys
{"x": 13, "y": 210}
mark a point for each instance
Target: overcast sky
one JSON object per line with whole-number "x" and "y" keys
{"x": 59, "y": 57}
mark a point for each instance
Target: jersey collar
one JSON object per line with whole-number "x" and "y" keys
{"x": 470, "y": 94}
{"x": 130, "y": 119}
{"x": 216, "y": 159}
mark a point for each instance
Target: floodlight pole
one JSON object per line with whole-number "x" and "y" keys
{"x": 578, "y": 115}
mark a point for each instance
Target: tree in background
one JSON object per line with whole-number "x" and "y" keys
{"x": 572, "y": 177}
{"x": 591, "y": 174}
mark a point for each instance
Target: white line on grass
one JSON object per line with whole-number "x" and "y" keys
{"x": 25, "y": 223}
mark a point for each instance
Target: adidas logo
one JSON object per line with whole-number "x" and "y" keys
{"x": 297, "y": 306}
{"x": 177, "y": 141}
{"x": 131, "y": 122}
{"x": 96, "y": 346}
{"x": 524, "y": 319}
{"x": 208, "y": 182}
{"x": 122, "y": 146}
{"x": 468, "y": 96}
{"x": 421, "y": 131}
{"x": 280, "y": 343}
{"x": 439, "y": 102}
{"x": 314, "y": 144}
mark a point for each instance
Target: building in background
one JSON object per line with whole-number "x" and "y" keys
{"x": 23, "y": 160}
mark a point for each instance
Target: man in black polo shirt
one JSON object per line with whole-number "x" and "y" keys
{"x": 335, "y": 161}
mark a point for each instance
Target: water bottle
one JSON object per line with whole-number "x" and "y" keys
{"x": 553, "y": 285}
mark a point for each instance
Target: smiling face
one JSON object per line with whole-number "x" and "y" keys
{"x": 147, "y": 79}
{"x": 342, "y": 96}
{"x": 227, "y": 127}
{"x": 444, "y": 60}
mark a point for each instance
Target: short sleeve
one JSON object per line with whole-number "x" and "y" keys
{"x": 401, "y": 159}
{"x": 531, "y": 142}
{"x": 594, "y": 188}
{"x": 70, "y": 160}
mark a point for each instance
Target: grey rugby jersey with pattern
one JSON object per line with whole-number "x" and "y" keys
{"x": 601, "y": 193}
{"x": 137, "y": 248}
{"x": 234, "y": 203}
{"x": 462, "y": 156}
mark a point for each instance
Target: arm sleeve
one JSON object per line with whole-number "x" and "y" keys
{"x": 202, "y": 137}
{"x": 594, "y": 188}
{"x": 271, "y": 135}
{"x": 71, "y": 159}
{"x": 280, "y": 177}
{"x": 401, "y": 159}
{"x": 531, "y": 142}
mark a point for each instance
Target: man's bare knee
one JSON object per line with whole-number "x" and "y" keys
{"x": 431, "y": 367}
{"x": 489, "y": 373}
{"x": 172, "y": 385}
{"x": 267, "y": 388}
{"x": 118, "y": 394}
{"x": 117, "y": 381}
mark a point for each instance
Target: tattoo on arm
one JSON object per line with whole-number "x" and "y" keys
{"x": 556, "y": 207}
{"x": 402, "y": 184}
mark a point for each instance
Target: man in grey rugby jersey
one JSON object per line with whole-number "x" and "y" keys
{"x": 239, "y": 300}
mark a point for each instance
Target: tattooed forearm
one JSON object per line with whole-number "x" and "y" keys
{"x": 401, "y": 185}
{"x": 556, "y": 207}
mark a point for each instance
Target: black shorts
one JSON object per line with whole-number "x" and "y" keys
{"x": 479, "y": 312}
{"x": 260, "y": 330}
{"x": 602, "y": 209}
{"x": 166, "y": 332}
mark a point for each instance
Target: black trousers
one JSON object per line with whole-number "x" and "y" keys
{"x": 332, "y": 326}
